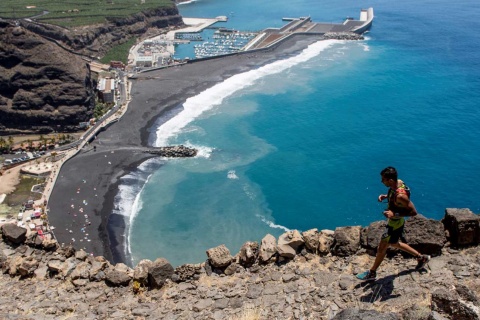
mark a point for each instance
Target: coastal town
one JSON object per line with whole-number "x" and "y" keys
{"x": 73, "y": 169}
{"x": 44, "y": 161}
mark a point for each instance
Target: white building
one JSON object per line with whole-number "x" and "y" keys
{"x": 106, "y": 89}
{"x": 144, "y": 61}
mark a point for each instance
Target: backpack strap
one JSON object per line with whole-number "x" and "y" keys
{"x": 403, "y": 189}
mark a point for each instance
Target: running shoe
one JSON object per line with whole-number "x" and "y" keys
{"x": 367, "y": 275}
{"x": 422, "y": 260}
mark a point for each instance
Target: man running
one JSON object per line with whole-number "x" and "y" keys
{"x": 399, "y": 206}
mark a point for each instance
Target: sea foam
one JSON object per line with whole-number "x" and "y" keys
{"x": 206, "y": 100}
{"x": 232, "y": 175}
{"x": 271, "y": 224}
{"x": 127, "y": 202}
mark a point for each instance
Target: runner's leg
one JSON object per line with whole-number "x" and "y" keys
{"x": 381, "y": 252}
{"x": 405, "y": 247}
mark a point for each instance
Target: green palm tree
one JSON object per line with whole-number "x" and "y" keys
{"x": 10, "y": 142}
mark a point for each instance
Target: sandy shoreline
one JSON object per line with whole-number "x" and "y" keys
{"x": 92, "y": 177}
{"x": 9, "y": 180}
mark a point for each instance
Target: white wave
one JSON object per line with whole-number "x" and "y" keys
{"x": 186, "y": 2}
{"x": 136, "y": 206}
{"x": 195, "y": 106}
{"x": 248, "y": 192}
{"x": 364, "y": 44}
{"x": 127, "y": 202}
{"x": 126, "y": 196}
{"x": 232, "y": 175}
{"x": 271, "y": 224}
{"x": 202, "y": 151}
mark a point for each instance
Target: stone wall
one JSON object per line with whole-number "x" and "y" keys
{"x": 308, "y": 275}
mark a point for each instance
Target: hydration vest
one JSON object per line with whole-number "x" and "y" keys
{"x": 392, "y": 196}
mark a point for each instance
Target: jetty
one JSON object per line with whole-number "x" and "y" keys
{"x": 173, "y": 151}
{"x": 305, "y": 26}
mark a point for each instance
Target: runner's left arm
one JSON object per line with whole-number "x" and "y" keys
{"x": 403, "y": 201}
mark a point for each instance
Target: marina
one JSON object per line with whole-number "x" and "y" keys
{"x": 224, "y": 42}
{"x": 199, "y": 41}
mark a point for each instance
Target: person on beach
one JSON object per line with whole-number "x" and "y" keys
{"x": 399, "y": 207}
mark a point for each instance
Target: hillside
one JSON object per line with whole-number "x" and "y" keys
{"x": 263, "y": 281}
{"x": 45, "y": 85}
{"x": 79, "y": 12}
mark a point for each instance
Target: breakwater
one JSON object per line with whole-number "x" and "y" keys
{"x": 173, "y": 151}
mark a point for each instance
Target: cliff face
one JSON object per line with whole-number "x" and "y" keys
{"x": 42, "y": 87}
{"x": 45, "y": 85}
{"x": 95, "y": 40}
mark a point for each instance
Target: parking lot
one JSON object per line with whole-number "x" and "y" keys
{"x": 20, "y": 157}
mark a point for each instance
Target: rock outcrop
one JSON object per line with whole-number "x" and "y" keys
{"x": 463, "y": 226}
{"x": 67, "y": 283}
{"x": 42, "y": 87}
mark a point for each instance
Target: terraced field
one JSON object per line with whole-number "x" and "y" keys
{"x": 71, "y": 13}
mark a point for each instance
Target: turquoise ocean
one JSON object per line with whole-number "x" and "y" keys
{"x": 299, "y": 144}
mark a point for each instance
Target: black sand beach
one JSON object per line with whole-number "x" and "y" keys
{"x": 89, "y": 181}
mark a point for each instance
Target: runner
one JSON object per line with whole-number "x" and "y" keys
{"x": 399, "y": 206}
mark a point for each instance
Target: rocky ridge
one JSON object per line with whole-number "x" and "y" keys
{"x": 96, "y": 40}
{"x": 307, "y": 275}
{"x": 42, "y": 86}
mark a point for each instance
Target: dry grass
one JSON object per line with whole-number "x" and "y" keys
{"x": 210, "y": 281}
{"x": 421, "y": 307}
{"x": 474, "y": 285}
{"x": 249, "y": 312}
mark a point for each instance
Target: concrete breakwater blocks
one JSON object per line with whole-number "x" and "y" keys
{"x": 173, "y": 151}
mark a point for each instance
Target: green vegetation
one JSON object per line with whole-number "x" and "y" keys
{"x": 71, "y": 13}
{"x": 33, "y": 142}
{"x": 5, "y": 144}
{"x": 23, "y": 192}
{"x": 101, "y": 109}
{"x": 119, "y": 53}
